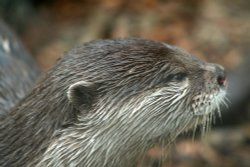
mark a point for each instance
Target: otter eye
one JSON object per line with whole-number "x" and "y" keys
{"x": 178, "y": 77}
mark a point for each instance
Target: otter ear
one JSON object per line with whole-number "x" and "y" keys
{"x": 81, "y": 94}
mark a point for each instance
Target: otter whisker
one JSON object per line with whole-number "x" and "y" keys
{"x": 218, "y": 110}
{"x": 203, "y": 125}
{"x": 195, "y": 128}
{"x": 224, "y": 101}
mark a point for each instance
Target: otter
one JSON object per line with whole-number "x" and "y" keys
{"x": 18, "y": 71}
{"x": 106, "y": 102}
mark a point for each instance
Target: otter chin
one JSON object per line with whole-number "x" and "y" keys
{"x": 107, "y": 102}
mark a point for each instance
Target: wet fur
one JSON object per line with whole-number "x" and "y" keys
{"x": 132, "y": 102}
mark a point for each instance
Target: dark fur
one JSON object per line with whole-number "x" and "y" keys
{"x": 117, "y": 71}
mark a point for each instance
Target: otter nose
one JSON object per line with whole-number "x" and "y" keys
{"x": 220, "y": 74}
{"x": 221, "y": 80}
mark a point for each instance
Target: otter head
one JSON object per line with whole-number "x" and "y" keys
{"x": 129, "y": 93}
{"x": 146, "y": 87}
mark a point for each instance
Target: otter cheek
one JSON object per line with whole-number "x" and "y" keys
{"x": 185, "y": 84}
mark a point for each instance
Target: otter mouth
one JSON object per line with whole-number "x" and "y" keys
{"x": 207, "y": 103}
{"x": 206, "y": 107}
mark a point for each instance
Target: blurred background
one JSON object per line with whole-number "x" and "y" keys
{"x": 217, "y": 31}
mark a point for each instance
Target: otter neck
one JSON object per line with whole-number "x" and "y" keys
{"x": 34, "y": 122}
{"x": 120, "y": 148}
{"x": 114, "y": 134}
{"x": 97, "y": 145}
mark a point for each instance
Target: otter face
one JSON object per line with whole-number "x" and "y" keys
{"x": 147, "y": 89}
{"x": 129, "y": 94}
